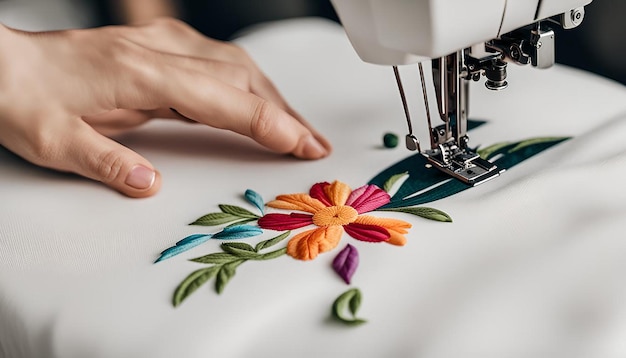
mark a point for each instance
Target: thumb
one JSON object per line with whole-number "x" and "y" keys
{"x": 92, "y": 155}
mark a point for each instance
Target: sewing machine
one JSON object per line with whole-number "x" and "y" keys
{"x": 464, "y": 40}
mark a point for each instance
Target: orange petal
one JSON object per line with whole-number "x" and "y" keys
{"x": 307, "y": 245}
{"x": 338, "y": 192}
{"x": 302, "y": 202}
{"x": 397, "y": 228}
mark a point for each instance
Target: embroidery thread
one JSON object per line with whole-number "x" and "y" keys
{"x": 333, "y": 208}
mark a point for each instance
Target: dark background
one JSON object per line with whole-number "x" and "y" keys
{"x": 598, "y": 45}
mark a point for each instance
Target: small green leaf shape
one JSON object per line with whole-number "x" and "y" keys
{"x": 349, "y": 301}
{"x": 193, "y": 282}
{"x": 214, "y": 219}
{"x": 216, "y": 258}
{"x": 238, "y": 211}
{"x": 271, "y": 242}
{"x": 240, "y": 249}
{"x": 226, "y": 272}
{"x": 241, "y": 222}
{"x": 392, "y": 180}
{"x": 424, "y": 212}
{"x": 272, "y": 254}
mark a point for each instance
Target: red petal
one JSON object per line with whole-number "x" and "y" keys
{"x": 369, "y": 233}
{"x": 317, "y": 191}
{"x": 285, "y": 222}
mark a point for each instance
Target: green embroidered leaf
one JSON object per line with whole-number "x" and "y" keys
{"x": 392, "y": 180}
{"x": 348, "y": 301}
{"x": 217, "y": 258}
{"x": 239, "y": 245}
{"x": 214, "y": 219}
{"x": 241, "y": 222}
{"x": 271, "y": 242}
{"x": 226, "y": 272}
{"x": 424, "y": 212}
{"x": 238, "y": 211}
{"x": 526, "y": 143}
{"x": 273, "y": 254}
{"x": 193, "y": 282}
{"x": 239, "y": 252}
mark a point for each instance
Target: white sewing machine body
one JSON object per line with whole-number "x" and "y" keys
{"x": 464, "y": 39}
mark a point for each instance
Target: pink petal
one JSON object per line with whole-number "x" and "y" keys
{"x": 368, "y": 198}
{"x": 317, "y": 191}
{"x": 369, "y": 233}
{"x": 285, "y": 222}
{"x": 346, "y": 262}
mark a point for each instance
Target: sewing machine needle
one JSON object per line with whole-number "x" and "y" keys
{"x": 430, "y": 125}
{"x": 412, "y": 143}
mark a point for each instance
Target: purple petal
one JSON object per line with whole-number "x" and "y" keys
{"x": 346, "y": 262}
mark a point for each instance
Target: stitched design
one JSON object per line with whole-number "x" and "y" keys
{"x": 332, "y": 209}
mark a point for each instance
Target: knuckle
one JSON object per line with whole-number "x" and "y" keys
{"x": 43, "y": 149}
{"x": 139, "y": 69}
{"x": 262, "y": 123}
{"x": 239, "y": 75}
{"x": 236, "y": 53}
{"x": 170, "y": 24}
{"x": 43, "y": 145}
{"x": 107, "y": 166}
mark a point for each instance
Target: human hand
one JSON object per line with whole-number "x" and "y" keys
{"x": 64, "y": 92}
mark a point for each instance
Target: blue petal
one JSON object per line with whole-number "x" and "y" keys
{"x": 255, "y": 199}
{"x": 238, "y": 232}
{"x": 183, "y": 245}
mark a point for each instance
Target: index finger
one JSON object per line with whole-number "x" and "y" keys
{"x": 205, "y": 99}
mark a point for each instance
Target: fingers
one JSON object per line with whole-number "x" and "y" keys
{"x": 177, "y": 38}
{"x": 263, "y": 87}
{"x": 85, "y": 152}
{"x": 223, "y": 106}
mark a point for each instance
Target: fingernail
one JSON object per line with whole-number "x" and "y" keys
{"x": 141, "y": 177}
{"x": 312, "y": 148}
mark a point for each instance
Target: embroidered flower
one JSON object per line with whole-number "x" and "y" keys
{"x": 333, "y": 208}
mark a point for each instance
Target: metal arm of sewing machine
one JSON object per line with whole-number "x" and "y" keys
{"x": 449, "y": 150}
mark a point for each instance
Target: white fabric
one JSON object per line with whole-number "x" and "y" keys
{"x": 532, "y": 266}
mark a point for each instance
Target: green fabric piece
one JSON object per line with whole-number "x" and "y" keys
{"x": 424, "y": 212}
{"x": 349, "y": 301}
{"x": 426, "y": 184}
